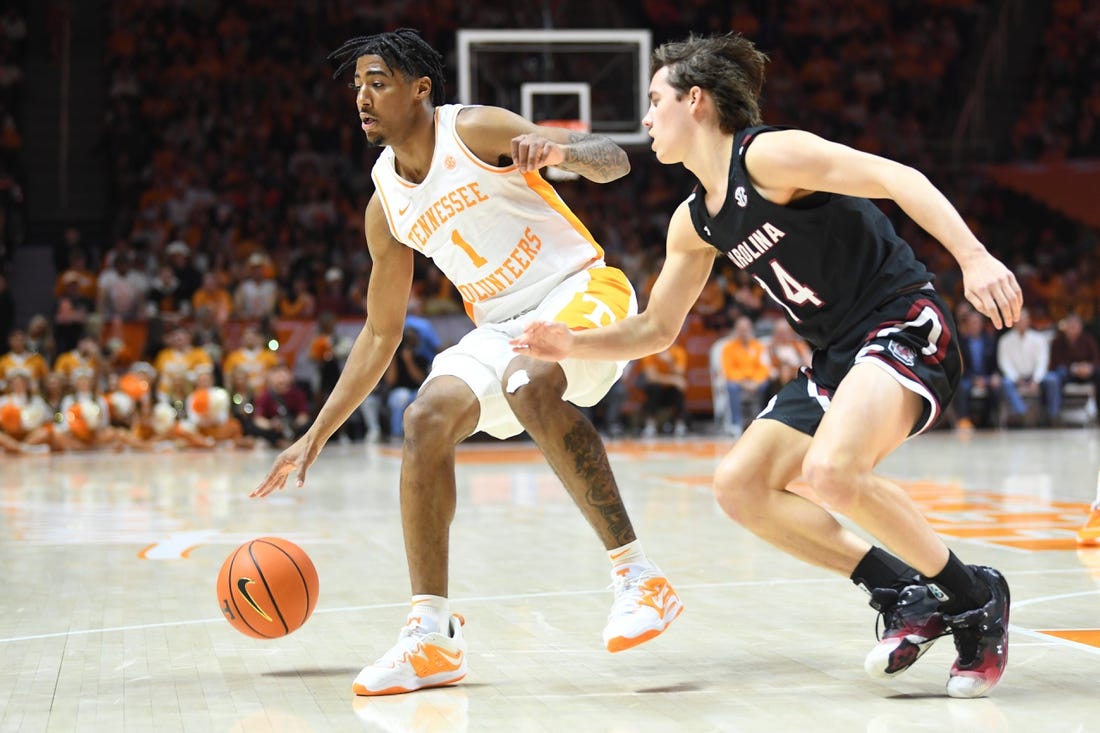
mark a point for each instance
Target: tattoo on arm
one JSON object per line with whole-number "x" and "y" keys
{"x": 595, "y": 157}
{"x": 591, "y": 466}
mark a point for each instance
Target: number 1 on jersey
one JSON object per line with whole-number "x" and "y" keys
{"x": 796, "y": 292}
{"x": 466, "y": 247}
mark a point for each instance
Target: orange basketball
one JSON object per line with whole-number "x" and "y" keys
{"x": 267, "y": 587}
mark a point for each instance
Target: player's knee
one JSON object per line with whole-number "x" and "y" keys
{"x": 427, "y": 422}
{"x": 531, "y": 387}
{"x": 835, "y": 479}
{"x": 737, "y": 492}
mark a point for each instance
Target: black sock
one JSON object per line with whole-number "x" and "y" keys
{"x": 957, "y": 588}
{"x": 880, "y": 569}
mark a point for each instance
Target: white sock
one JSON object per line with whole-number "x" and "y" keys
{"x": 432, "y": 613}
{"x": 629, "y": 554}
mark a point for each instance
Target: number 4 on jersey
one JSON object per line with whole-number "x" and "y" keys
{"x": 794, "y": 291}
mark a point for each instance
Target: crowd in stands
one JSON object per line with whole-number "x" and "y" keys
{"x": 13, "y": 54}
{"x": 191, "y": 392}
{"x": 1062, "y": 116}
{"x": 1024, "y": 376}
{"x": 238, "y": 182}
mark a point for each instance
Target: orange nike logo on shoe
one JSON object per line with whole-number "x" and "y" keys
{"x": 429, "y": 660}
{"x": 656, "y": 596}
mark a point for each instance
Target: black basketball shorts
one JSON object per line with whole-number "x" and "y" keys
{"x": 912, "y": 337}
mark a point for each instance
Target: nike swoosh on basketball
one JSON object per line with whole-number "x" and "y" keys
{"x": 242, "y": 586}
{"x": 401, "y": 212}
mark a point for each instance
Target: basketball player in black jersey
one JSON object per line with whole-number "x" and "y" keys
{"x": 793, "y": 210}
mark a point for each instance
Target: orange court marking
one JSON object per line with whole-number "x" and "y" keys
{"x": 1081, "y": 636}
{"x": 1012, "y": 520}
{"x": 985, "y": 532}
{"x": 1019, "y": 521}
{"x": 1052, "y": 543}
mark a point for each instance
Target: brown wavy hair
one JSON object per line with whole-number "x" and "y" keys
{"x": 728, "y": 66}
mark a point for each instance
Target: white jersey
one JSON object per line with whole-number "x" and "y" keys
{"x": 503, "y": 238}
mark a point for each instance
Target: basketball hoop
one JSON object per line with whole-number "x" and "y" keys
{"x": 554, "y": 173}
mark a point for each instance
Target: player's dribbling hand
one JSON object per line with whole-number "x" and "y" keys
{"x": 531, "y": 152}
{"x": 300, "y": 455}
{"x": 992, "y": 289}
{"x": 542, "y": 340}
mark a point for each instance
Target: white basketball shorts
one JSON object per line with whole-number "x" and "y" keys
{"x": 597, "y": 296}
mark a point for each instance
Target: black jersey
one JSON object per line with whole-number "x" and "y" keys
{"x": 828, "y": 260}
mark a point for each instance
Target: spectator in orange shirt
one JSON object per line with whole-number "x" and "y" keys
{"x": 745, "y": 366}
{"x": 213, "y": 296}
{"x": 180, "y": 351}
{"x": 252, "y": 358}
{"x": 299, "y": 302}
{"x": 77, "y": 271}
{"x": 664, "y": 376}
{"x": 20, "y": 356}
{"x": 86, "y": 355}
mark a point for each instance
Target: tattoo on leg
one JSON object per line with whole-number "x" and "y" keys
{"x": 590, "y": 466}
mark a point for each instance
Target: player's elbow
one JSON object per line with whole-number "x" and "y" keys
{"x": 664, "y": 335}
{"x": 621, "y": 165}
{"x": 898, "y": 180}
{"x": 383, "y": 341}
{"x": 615, "y": 165}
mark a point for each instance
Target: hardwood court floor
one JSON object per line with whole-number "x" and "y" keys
{"x": 109, "y": 620}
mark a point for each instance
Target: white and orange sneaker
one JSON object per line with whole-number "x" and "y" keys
{"x": 1089, "y": 534}
{"x": 645, "y": 604}
{"x": 419, "y": 659}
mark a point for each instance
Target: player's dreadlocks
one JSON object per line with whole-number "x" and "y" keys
{"x": 402, "y": 49}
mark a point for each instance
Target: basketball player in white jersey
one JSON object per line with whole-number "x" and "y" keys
{"x": 461, "y": 185}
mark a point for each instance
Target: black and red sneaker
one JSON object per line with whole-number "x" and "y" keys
{"x": 981, "y": 639}
{"x": 911, "y": 622}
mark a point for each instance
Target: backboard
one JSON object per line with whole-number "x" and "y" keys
{"x": 599, "y": 77}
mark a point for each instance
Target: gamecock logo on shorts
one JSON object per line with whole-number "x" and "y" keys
{"x": 903, "y": 353}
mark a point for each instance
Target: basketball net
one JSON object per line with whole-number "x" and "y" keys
{"x": 554, "y": 173}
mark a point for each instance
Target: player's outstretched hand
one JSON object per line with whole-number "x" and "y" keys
{"x": 299, "y": 455}
{"x": 992, "y": 289}
{"x": 543, "y": 340}
{"x": 532, "y": 151}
